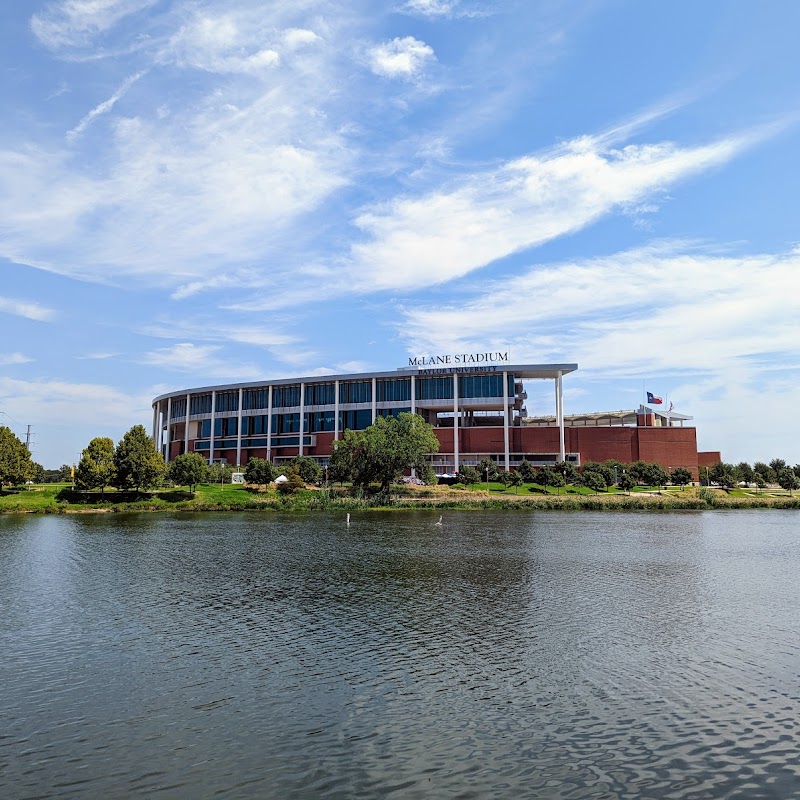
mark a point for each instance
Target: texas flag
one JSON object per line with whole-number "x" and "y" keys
{"x": 653, "y": 399}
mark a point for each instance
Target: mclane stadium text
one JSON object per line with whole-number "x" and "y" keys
{"x": 459, "y": 358}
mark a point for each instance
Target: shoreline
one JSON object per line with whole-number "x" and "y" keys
{"x": 235, "y": 498}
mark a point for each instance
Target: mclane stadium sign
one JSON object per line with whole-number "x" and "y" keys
{"x": 460, "y": 362}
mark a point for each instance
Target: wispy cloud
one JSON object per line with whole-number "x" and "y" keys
{"x": 10, "y": 359}
{"x": 70, "y": 23}
{"x": 26, "y": 308}
{"x": 205, "y": 360}
{"x": 436, "y": 237}
{"x": 644, "y": 311}
{"x": 104, "y": 107}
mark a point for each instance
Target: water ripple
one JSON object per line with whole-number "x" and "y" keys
{"x": 502, "y": 655}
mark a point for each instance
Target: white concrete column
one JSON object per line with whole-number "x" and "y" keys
{"x": 213, "y": 411}
{"x": 560, "y": 414}
{"x": 239, "y": 431}
{"x": 505, "y": 422}
{"x": 302, "y": 414}
{"x": 374, "y": 398}
{"x": 169, "y": 429}
{"x": 155, "y": 424}
{"x": 336, "y": 412}
{"x": 269, "y": 425}
{"x": 455, "y": 421}
{"x": 186, "y": 426}
{"x": 160, "y": 425}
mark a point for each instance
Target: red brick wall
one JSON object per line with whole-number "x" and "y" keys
{"x": 707, "y": 458}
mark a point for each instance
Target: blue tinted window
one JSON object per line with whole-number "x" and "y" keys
{"x": 285, "y": 396}
{"x": 393, "y": 391}
{"x": 355, "y": 392}
{"x": 320, "y": 394}
{"x": 200, "y": 404}
{"x": 434, "y": 388}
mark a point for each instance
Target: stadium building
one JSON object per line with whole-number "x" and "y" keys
{"x": 475, "y": 401}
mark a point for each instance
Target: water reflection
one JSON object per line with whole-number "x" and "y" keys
{"x": 500, "y": 655}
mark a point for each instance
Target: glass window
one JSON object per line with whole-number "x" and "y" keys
{"x": 319, "y": 421}
{"x": 285, "y": 423}
{"x": 227, "y": 401}
{"x": 255, "y": 398}
{"x": 178, "y": 408}
{"x": 434, "y": 388}
{"x": 320, "y": 394}
{"x": 200, "y": 404}
{"x": 285, "y": 396}
{"x": 394, "y": 390}
{"x": 355, "y": 420}
{"x": 355, "y": 392}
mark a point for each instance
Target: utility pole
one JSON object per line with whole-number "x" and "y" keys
{"x": 28, "y": 439}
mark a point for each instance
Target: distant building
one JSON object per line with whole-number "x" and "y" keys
{"x": 474, "y": 401}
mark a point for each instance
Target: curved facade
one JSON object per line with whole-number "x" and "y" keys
{"x": 475, "y": 409}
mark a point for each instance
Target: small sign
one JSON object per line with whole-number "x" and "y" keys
{"x": 237, "y": 477}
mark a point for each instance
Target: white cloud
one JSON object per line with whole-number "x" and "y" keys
{"x": 26, "y": 308}
{"x": 430, "y": 7}
{"x": 104, "y": 107}
{"x": 646, "y": 310}
{"x": 403, "y": 57}
{"x": 297, "y": 37}
{"x": 418, "y": 241}
{"x": 64, "y": 416}
{"x": 205, "y": 360}
{"x": 9, "y": 359}
{"x": 76, "y": 22}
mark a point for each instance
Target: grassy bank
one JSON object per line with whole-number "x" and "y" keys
{"x": 59, "y": 499}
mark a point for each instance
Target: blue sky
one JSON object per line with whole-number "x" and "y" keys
{"x": 202, "y": 192}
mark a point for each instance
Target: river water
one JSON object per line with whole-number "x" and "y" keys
{"x": 499, "y": 655}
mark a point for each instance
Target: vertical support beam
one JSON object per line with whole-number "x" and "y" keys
{"x": 413, "y": 394}
{"x": 160, "y": 423}
{"x": 169, "y": 429}
{"x": 239, "y": 430}
{"x": 186, "y": 426}
{"x": 336, "y": 412}
{"x": 211, "y": 441}
{"x": 374, "y": 399}
{"x": 155, "y": 424}
{"x": 505, "y": 421}
{"x": 269, "y": 424}
{"x": 455, "y": 421}
{"x": 560, "y": 414}
{"x": 302, "y": 414}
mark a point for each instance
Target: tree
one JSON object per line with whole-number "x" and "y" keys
{"x": 655, "y": 475}
{"x": 788, "y": 480}
{"x": 567, "y": 469}
{"x": 594, "y": 480}
{"x": 259, "y": 471}
{"x": 724, "y": 475}
{"x": 555, "y": 479}
{"x": 607, "y": 472}
{"x": 37, "y": 474}
{"x": 15, "y": 460}
{"x": 626, "y": 482}
{"x": 219, "y": 472}
{"x": 388, "y": 447}
{"x": 137, "y": 463}
{"x": 680, "y": 476}
{"x": 468, "y": 475}
{"x": 96, "y": 467}
{"x": 294, "y": 483}
{"x": 776, "y": 465}
{"x": 526, "y": 470}
{"x": 188, "y": 469}
{"x": 762, "y": 469}
{"x": 64, "y": 474}
{"x": 746, "y": 472}
{"x": 340, "y": 463}
{"x": 488, "y": 469}
{"x": 307, "y": 468}
{"x": 515, "y": 480}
